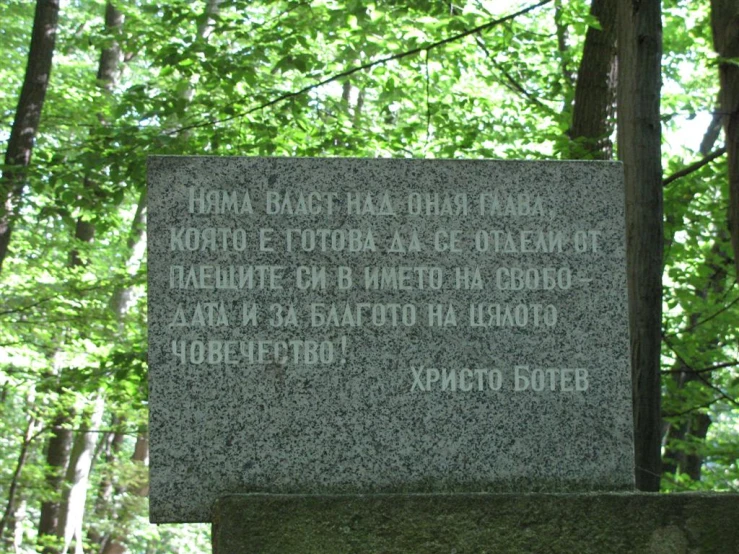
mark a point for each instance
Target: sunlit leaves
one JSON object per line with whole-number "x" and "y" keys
{"x": 226, "y": 84}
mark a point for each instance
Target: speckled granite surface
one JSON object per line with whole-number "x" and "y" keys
{"x": 482, "y": 344}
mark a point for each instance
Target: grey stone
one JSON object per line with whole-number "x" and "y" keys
{"x": 405, "y": 401}
{"x": 583, "y": 523}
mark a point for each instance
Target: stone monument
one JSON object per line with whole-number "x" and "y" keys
{"x": 367, "y": 326}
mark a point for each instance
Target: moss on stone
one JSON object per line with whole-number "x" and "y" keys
{"x": 599, "y": 523}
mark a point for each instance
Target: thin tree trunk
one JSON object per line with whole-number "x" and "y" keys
{"x": 694, "y": 426}
{"x": 19, "y": 515}
{"x": 121, "y": 296}
{"x": 8, "y": 520}
{"x": 72, "y": 509}
{"x": 712, "y": 132}
{"x": 595, "y": 90}
{"x": 693, "y": 463}
{"x": 57, "y": 458}
{"x": 186, "y": 90}
{"x": 562, "y": 48}
{"x": 639, "y": 136}
{"x": 113, "y": 444}
{"x": 725, "y": 24}
{"x": 110, "y": 59}
{"x": 61, "y": 442}
{"x": 212, "y": 9}
{"x": 27, "y": 118}
{"x": 679, "y": 460}
{"x": 357, "y": 116}
{"x": 116, "y": 543}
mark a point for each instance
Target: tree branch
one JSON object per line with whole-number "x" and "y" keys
{"x": 694, "y": 408}
{"x": 32, "y": 305}
{"x": 694, "y": 166}
{"x": 712, "y": 132}
{"x": 702, "y": 321}
{"x": 363, "y": 67}
{"x": 700, "y": 377}
{"x": 512, "y": 83}
{"x": 428, "y": 101}
{"x": 701, "y": 370}
{"x": 562, "y": 43}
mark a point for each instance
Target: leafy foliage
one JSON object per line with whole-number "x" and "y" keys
{"x": 244, "y": 80}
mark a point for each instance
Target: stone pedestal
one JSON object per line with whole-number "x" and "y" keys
{"x": 597, "y": 523}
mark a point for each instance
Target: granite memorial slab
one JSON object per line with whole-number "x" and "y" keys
{"x": 330, "y": 326}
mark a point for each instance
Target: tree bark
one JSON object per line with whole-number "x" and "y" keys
{"x": 186, "y": 90}
{"x": 725, "y": 26}
{"x": 595, "y": 90}
{"x": 19, "y": 515}
{"x": 639, "y": 136}
{"x": 119, "y": 301}
{"x": 72, "y": 508}
{"x": 27, "y": 118}
{"x": 113, "y": 443}
{"x": 110, "y": 59}
{"x": 562, "y": 47}
{"x": 61, "y": 442}
{"x": 116, "y": 542}
{"x": 712, "y": 133}
{"x": 57, "y": 458}
{"x": 694, "y": 426}
{"x": 678, "y": 459}
{"x": 8, "y": 520}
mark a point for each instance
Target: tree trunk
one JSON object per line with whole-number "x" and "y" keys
{"x": 678, "y": 459}
{"x": 8, "y": 520}
{"x": 725, "y": 25}
{"x": 116, "y": 542}
{"x": 694, "y": 426}
{"x": 27, "y": 118}
{"x": 110, "y": 59}
{"x": 19, "y": 515}
{"x": 693, "y": 463}
{"x": 113, "y": 443}
{"x": 57, "y": 458}
{"x": 72, "y": 508}
{"x": 712, "y": 133}
{"x": 639, "y": 78}
{"x": 595, "y": 90}
{"x": 186, "y": 90}
{"x": 562, "y": 48}
{"x": 60, "y": 445}
{"x": 119, "y": 301}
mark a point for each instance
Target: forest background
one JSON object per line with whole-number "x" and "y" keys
{"x": 90, "y": 88}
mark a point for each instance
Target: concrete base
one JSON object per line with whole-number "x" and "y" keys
{"x": 600, "y": 523}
